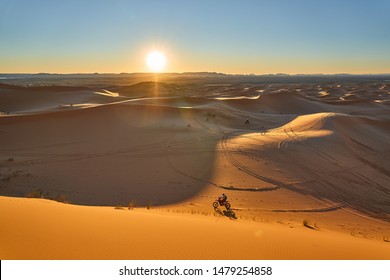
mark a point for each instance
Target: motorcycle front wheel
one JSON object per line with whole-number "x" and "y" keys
{"x": 227, "y": 205}
{"x": 215, "y": 204}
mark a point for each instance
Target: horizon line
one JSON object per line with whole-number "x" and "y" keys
{"x": 195, "y": 72}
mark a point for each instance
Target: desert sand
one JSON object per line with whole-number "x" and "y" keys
{"x": 305, "y": 167}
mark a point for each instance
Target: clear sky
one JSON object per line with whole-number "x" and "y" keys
{"x": 242, "y": 36}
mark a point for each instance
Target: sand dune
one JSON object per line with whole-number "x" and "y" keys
{"x": 36, "y": 99}
{"x": 76, "y": 232}
{"x": 349, "y": 150}
{"x": 290, "y": 103}
{"x": 90, "y": 146}
{"x": 286, "y": 155}
{"x": 145, "y": 89}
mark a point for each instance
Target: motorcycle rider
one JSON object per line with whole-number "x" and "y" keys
{"x": 222, "y": 199}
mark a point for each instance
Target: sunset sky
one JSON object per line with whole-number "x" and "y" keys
{"x": 258, "y": 36}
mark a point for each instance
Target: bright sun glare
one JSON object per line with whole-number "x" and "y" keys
{"x": 156, "y": 61}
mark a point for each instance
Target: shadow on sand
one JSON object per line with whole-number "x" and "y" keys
{"x": 227, "y": 213}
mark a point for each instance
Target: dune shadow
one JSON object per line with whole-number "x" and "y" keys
{"x": 154, "y": 154}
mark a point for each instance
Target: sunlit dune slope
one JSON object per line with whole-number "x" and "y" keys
{"x": 338, "y": 159}
{"x": 43, "y": 229}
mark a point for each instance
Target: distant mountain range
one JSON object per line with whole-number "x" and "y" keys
{"x": 97, "y": 79}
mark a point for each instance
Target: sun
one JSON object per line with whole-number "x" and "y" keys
{"x": 156, "y": 61}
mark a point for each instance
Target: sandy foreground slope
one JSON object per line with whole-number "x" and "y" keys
{"x": 35, "y": 228}
{"x": 284, "y": 155}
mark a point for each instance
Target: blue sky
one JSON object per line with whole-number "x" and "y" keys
{"x": 245, "y": 36}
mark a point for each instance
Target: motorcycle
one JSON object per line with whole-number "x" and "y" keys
{"x": 218, "y": 202}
